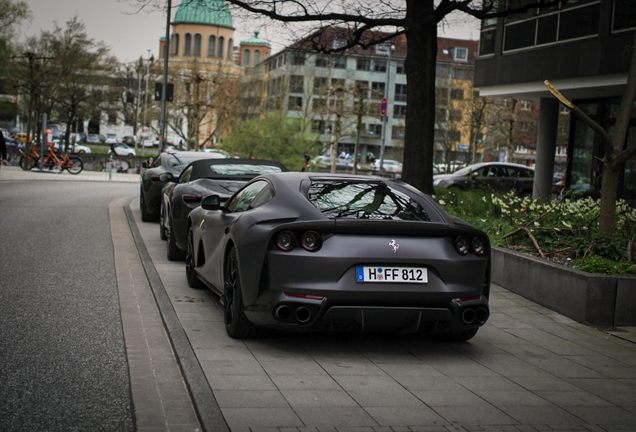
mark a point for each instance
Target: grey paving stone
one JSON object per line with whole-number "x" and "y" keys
{"x": 240, "y": 382}
{"x": 479, "y": 384}
{"x": 482, "y": 415}
{"x": 305, "y": 382}
{"x": 229, "y": 367}
{"x": 458, "y": 398}
{"x": 336, "y": 417}
{"x": 263, "y": 417}
{"x": 513, "y": 398}
{"x": 250, "y": 399}
{"x": 293, "y": 366}
{"x": 573, "y": 398}
{"x": 542, "y": 415}
{"x": 404, "y": 416}
{"x": 318, "y": 398}
{"x": 603, "y": 415}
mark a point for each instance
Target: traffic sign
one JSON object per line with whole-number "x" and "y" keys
{"x": 383, "y": 106}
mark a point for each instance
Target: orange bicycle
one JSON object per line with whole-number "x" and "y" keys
{"x": 73, "y": 164}
{"x": 32, "y": 160}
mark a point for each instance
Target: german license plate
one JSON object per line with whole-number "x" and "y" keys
{"x": 392, "y": 274}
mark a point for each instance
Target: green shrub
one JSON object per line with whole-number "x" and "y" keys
{"x": 600, "y": 265}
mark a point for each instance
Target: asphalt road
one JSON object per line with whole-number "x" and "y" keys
{"x": 62, "y": 354}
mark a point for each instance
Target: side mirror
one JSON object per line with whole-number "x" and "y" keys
{"x": 145, "y": 164}
{"x": 166, "y": 177}
{"x": 211, "y": 202}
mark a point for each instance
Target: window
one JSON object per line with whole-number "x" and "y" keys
{"x": 355, "y": 199}
{"x": 442, "y": 71}
{"x": 375, "y": 130}
{"x": 457, "y": 94}
{"x": 295, "y": 103}
{"x": 338, "y": 43}
{"x": 398, "y": 132}
{"x": 441, "y": 96}
{"x": 460, "y": 54}
{"x": 211, "y": 45}
{"x": 399, "y": 68}
{"x": 174, "y": 44}
{"x": 379, "y": 66}
{"x": 322, "y": 60}
{"x": 197, "y": 45}
{"x": 318, "y": 126}
{"x": 459, "y": 73}
{"x": 377, "y": 90}
{"x": 487, "y": 42}
{"x": 318, "y": 104}
{"x": 257, "y": 57}
{"x": 320, "y": 85}
{"x": 112, "y": 117}
{"x": 188, "y": 44}
{"x": 337, "y": 83}
{"x": 296, "y": 84}
{"x": 399, "y": 111}
{"x": 230, "y": 49}
{"x": 336, "y": 105}
{"x": 400, "y": 92}
{"x": 250, "y": 197}
{"x": 525, "y": 105}
{"x": 221, "y": 47}
{"x": 340, "y": 62}
{"x": 246, "y": 57}
{"x": 624, "y": 15}
{"x": 298, "y": 58}
{"x": 363, "y": 64}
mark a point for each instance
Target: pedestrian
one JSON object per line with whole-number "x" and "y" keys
{"x": 3, "y": 149}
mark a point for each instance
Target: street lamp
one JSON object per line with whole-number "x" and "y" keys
{"x": 389, "y": 48}
{"x": 151, "y": 60}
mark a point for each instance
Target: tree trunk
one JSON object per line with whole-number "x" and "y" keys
{"x": 419, "y": 139}
{"x": 609, "y": 192}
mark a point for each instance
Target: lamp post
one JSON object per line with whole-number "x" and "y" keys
{"x": 166, "y": 56}
{"x": 151, "y": 60}
{"x": 390, "y": 48}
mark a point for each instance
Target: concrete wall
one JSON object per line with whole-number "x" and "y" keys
{"x": 584, "y": 297}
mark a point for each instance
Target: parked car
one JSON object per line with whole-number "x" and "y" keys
{"x": 95, "y": 139}
{"x": 151, "y": 185}
{"x": 495, "y": 176}
{"x": 298, "y": 251}
{"x": 111, "y": 139}
{"x": 452, "y": 166}
{"x": 322, "y": 163}
{"x": 19, "y": 137}
{"x": 76, "y": 148}
{"x": 388, "y": 165}
{"x": 122, "y": 149}
{"x": 202, "y": 177}
{"x": 129, "y": 139}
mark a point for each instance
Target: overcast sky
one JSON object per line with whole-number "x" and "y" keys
{"x": 130, "y": 34}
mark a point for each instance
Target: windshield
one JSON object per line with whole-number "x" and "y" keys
{"x": 465, "y": 171}
{"x": 346, "y": 199}
{"x": 243, "y": 169}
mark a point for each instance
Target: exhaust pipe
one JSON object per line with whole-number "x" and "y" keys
{"x": 468, "y": 316}
{"x": 303, "y": 314}
{"x": 283, "y": 312}
{"x": 481, "y": 315}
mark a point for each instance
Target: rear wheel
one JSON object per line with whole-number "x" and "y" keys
{"x": 174, "y": 253}
{"x": 191, "y": 275}
{"x": 236, "y": 323}
{"x": 145, "y": 214}
{"x": 32, "y": 162}
{"x": 77, "y": 165}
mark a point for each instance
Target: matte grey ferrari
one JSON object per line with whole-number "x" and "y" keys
{"x": 333, "y": 252}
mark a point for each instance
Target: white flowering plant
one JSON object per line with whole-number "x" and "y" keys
{"x": 563, "y": 230}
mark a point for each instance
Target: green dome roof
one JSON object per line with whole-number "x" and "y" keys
{"x": 211, "y": 12}
{"x": 255, "y": 40}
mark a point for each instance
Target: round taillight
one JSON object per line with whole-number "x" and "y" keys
{"x": 286, "y": 240}
{"x": 311, "y": 241}
{"x": 462, "y": 245}
{"x": 478, "y": 246}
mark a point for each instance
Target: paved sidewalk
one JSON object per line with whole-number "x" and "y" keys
{"x": 528, "y": 369}
{"x": 12, "y": 173}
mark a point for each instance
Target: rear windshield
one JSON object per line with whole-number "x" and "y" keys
{"x": 243, "y": 169}
{"x": 175, "y": 160}
{"x": 345, "y": 199}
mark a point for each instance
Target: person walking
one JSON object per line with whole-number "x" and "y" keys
{"x": 3, "y": 149}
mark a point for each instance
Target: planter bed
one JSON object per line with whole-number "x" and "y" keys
{"x": 587, "y": 298}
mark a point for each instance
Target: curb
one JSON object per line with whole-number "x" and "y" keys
{"x": 205, "y": 404}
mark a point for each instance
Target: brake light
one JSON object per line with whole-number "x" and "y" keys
{"x": 154, "y": 177}
{"x": 311, "y": 241}
{"x": 462, "y": 245}
{"x": 286, "y": 240}
{"x": 478, "y": 246}
{"x": 463, "y": 299}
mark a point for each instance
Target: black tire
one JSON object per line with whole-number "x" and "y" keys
{"x": 191, "y": 274}
{"x": 145, "y": 214}
{"x": 78, "y": 166}
{"x": 162, "y": 228}
{"x": 34, "y": 162}
{"x": 236, "y": 323}
{"x": 174, "y": 253}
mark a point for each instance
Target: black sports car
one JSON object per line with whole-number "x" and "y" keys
{"x": 180, "y": 195}
{"x": 150, "y": 190}
{"x": 311, "y": 251}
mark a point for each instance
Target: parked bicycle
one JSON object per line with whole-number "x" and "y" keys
{"x": 73, "y": 164}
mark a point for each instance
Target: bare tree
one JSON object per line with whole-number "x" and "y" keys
{"x": 615, "y": 154}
